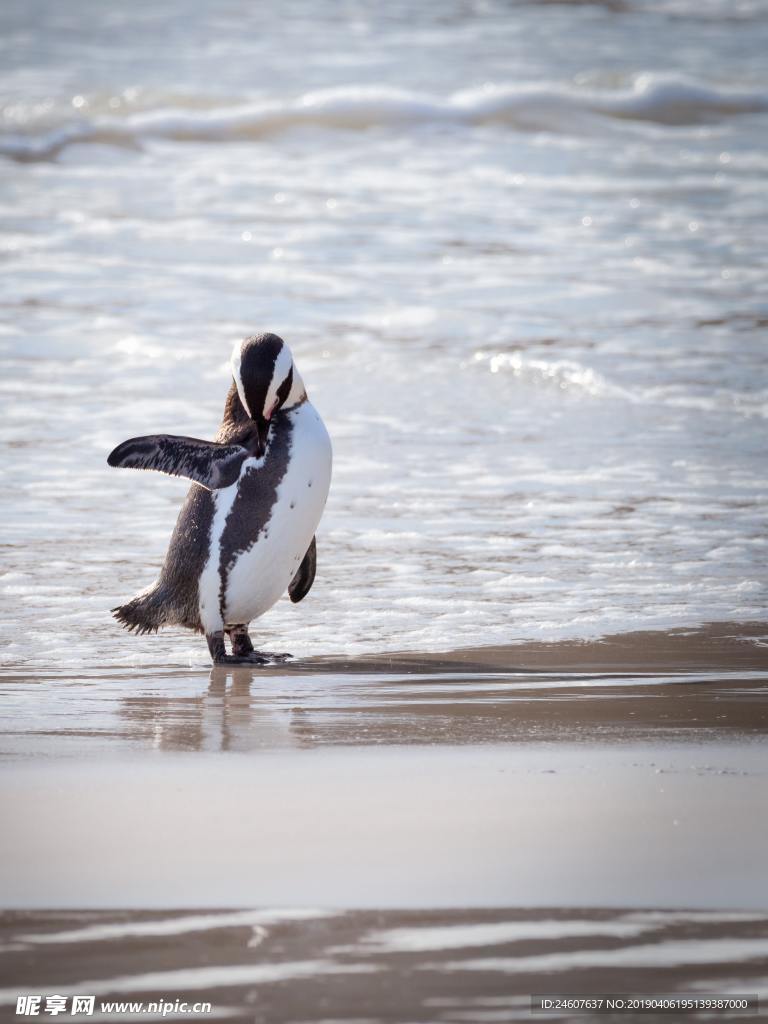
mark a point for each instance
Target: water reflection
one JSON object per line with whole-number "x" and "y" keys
{"x": 630, "y": 687}
{"x": 243, "y": 710}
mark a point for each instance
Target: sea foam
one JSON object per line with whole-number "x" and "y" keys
{"x": 663, "y": 99}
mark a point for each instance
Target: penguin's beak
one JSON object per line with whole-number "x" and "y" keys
{"x": 262, "y": 433}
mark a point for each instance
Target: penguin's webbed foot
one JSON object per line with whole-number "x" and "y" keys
{"x": 242, "y": 649}
{"x": 254, "y": 658}
{"x": 240, "y": 659}
{"x": 271, "y": 658}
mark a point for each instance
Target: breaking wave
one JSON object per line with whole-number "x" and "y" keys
{"x": 654, "y": 98}
{"x": 560, "y": 375}
{"x": 566, "y": 376}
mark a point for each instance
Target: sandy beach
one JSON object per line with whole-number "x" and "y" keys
{"x": 373, "y": 798}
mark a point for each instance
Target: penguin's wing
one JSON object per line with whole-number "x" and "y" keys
{"x": 300, "y": 584}
{"x": 207, "y": 463}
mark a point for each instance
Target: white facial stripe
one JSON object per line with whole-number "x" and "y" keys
{"x": 297, "y": 391}
{"x": 283, "y": 365}
{"x": 235, "y": 364}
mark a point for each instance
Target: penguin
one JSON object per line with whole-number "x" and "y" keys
{"x": 246, "y": 531}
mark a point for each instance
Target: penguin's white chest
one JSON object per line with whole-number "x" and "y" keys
{"x": 242, "y": 587}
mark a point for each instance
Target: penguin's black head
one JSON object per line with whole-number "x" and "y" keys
{"x": 266, "y": 380}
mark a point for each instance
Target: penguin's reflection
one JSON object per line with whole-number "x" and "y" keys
{"x": 246, "y": 709}
{"x": 248, "y": 722}
{"x": 236, "y": 682}
{"x": 235, "y": 713}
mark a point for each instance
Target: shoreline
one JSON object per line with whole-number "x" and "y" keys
{"x": 709, "y": 646}
{"x": 692, "y": 686}
{"x": 716, "y": 645}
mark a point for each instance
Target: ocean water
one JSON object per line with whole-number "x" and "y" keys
{"x": 518, "y": 250}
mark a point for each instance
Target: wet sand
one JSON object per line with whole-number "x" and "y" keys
{"x": 632, "y": 825}
{"x": 627, "y": 776}
{"x": 694, "y": 684}
{"x": 425, "y": 966}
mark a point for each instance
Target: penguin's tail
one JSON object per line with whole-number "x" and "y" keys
{"x": 146, "y": 612}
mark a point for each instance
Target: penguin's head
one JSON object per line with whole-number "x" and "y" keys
{"x": 266, "y": 380}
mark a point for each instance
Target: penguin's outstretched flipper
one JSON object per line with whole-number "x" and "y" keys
{"x": 212, "y": 465}
{"x": 301, "y": 583}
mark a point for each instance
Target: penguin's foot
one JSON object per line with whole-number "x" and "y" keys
{"x": 242, "y": 649}
{"x": 271, "y": 658}
{"x": 254, "y": 658}
{"x": 219, "y": 651}
{"x": 241, "y": 642}
{"x": 241, "y": 659}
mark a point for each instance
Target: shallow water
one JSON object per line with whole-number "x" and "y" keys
{"x": 652, "y": 688}
{"x": 517, "y": 258}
